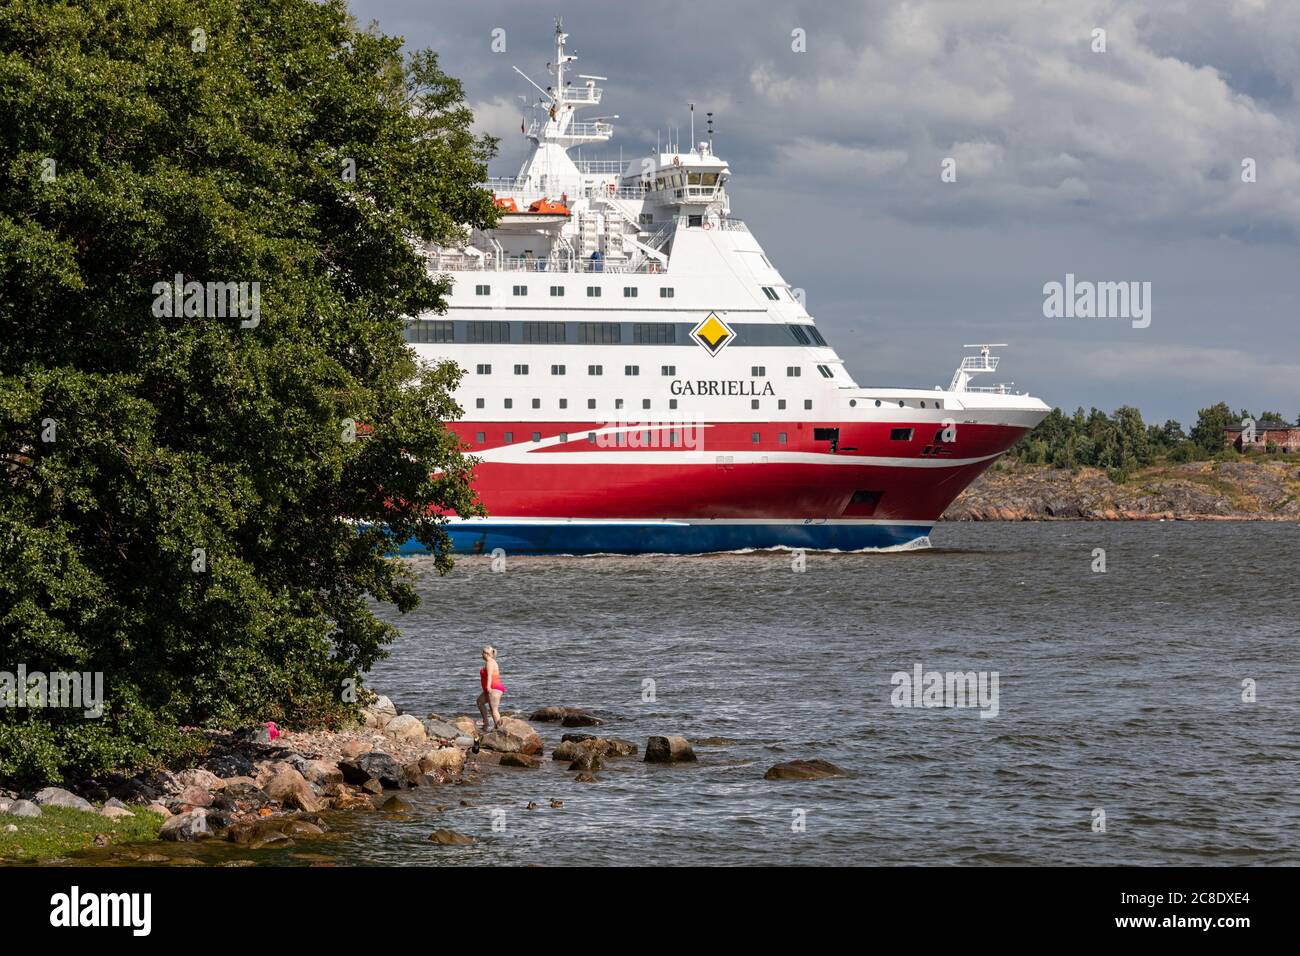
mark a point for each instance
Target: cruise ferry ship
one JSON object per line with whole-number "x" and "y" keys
{"x": 640, "y": 377}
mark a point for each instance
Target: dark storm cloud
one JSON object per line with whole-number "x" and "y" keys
{"x": 1123, "y": 165}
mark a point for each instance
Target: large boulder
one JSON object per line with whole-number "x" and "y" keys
{"x": 466, "y": 725}
{"x": 23, "y": 808}
{"x": 530, "y": 742}
{"x": 195, "y": 796}
{"x": 232, "y": 764}
{"x": 520, "y": 760}
{"x": 548, "y": 715}
{"x": 187, "y": 827}
{"x": 324, "y": 774}
{"x": 115, "y": 813}
{"x": 450, "y": 838}
{"x": 816, "y": 769}
{"x": 566, "y": 716}
{"x": 289, "y": 787}
{"x": 449, "y": 760}
{"x": 58, "y": 797}
{"x": 668, "y": 750}
{"x": 502, "y": 742}
{"x": 589, "y": 760}
{"x": 579, "y": 718}
{"x": 437, "y": 729}
{"x": 201, "y": 778}
{"x": 374, "y": 767}
{"x": 405, "y": 728}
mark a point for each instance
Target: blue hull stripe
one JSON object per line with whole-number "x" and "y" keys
{"x": 669, "y": 538}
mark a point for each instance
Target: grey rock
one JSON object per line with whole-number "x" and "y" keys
{"x": 58, "y": 797}
{"x": 186, "y": 827}
{"x": 23, "y": 808}
{"x": 669, "y": 750}
{"x": 441, "y": 730}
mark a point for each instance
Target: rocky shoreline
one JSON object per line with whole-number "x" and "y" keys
{"x": 1242, "y": 490}
{"x": 260, "y": 788}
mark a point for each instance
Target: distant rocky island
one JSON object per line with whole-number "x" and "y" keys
{"x": 1250, "y": 488}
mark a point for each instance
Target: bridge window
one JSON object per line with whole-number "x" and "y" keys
{"x": 599, "y": 333}
{"x": 799, "y": 334}
{"x": 815, "y": 335}
{"x": 495, "y": 332}
{"x": 543, "y": 333}
{"x": 770, "y": 293}
{"x": 826, "y": 372}
{"x": 654, "y": 333}
{"x": 437, "y": 330}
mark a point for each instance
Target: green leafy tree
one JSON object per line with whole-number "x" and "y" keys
{"x": 1211, "y": 423}
{"x": 182, "y": 507}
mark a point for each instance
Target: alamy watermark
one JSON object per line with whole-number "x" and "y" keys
{"x": 1084, "y": 299}
{"x": 61, "y": 689}
{"x": 952, "y": 689}
{"x": 212, "y": 300}
{"x": 688, "y": 435}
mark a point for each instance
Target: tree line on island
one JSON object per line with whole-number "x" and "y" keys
{"x": 1121, "y": 443}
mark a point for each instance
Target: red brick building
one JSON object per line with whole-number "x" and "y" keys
{"x": 1285, "y": 437}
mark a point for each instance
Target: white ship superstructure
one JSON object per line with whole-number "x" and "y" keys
{"x": 640, "y": 376}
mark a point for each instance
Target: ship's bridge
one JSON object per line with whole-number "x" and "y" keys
{"x": 694, "y": 178}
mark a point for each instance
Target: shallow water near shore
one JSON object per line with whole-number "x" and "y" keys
{"x": 1119, "y": 692}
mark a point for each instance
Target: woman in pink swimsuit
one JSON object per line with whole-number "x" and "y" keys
{"x": 489, "y": 676}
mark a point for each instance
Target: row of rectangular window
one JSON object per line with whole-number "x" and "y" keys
{"x": 758, "y": 371}
{"x": 593, "y": 291}
{"x": 645, "y": 439}
{"x": 667, "y": 370}
{"x": 497, "y": 332}
{"x": 645, "y": 403}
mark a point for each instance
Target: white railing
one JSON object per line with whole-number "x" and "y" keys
{"x": 599, "y": 166}
{"x": 594, "y": 130}
{"x": 581, "y": 94}
{"x": 1002, "y": 388}
{"x": 451, "y": 262}
{"x": 979, "y": 363}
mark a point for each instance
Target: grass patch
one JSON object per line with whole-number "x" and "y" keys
{"x": 61, "y": 831}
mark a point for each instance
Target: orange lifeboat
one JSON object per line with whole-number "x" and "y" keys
{"x": 545, "y": 207}
{"x": 505, "y": 205}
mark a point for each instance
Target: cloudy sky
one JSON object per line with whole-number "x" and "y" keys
{"x": 1122, "y": 165}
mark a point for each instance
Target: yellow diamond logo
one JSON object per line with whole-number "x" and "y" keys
{"x": 713, "y": 334}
